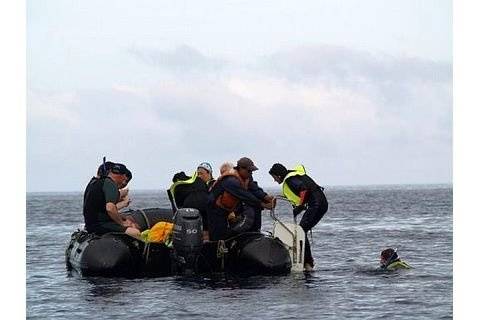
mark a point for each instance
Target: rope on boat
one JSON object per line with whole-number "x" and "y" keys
{"x": 146, "y": 249}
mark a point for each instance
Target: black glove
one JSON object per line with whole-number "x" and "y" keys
{"x": 298, "y": 210}
{"x": 180, "y": 176}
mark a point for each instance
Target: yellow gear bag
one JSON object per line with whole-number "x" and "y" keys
{"x": 160, "y": 233}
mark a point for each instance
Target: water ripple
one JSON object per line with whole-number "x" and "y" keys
{"x": 346, "y": 284}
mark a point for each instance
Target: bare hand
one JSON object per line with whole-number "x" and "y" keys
{"x": 123, "y": 193}
{"x": 267, "y": 205}
{"x": 132, "y": 223}
{"x": 124, "y": 203}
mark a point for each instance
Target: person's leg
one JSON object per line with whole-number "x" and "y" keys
{"x": 205, "y": 235}
{"x": 310, "y": 218}
{"x": 134, "y": 232}
{"x": 246, "y": 220}
{"x": 217, "y": 224}
{"x": 317, "y": 207}
{"x": 106, "y": 227}
{"x": 308, "y": 259}
{"x": 257, "y": 225}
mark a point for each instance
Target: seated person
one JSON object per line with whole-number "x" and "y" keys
{"x": 190, "y": 192}
{"x": 99, "y": 206}
{"x": 389, "y": 260}
{"x": 102, "y": 171}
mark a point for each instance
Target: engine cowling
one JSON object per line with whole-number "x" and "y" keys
{"x": 187, "y": 237}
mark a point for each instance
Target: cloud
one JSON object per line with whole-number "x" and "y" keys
{"x": 183, "y": 59}
{"x": 332, "y": 64}
{"x": 52, "y": 107}
{"x": 351, "y": 117}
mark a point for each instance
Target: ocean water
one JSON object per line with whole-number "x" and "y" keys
{"x": 346, "y": 284}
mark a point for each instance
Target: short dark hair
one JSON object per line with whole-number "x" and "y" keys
{"x": 129, "y": 175}
{"x": 278, "y": 169}
{"x": 389, "y": 254}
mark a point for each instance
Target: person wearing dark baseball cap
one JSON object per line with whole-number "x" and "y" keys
{"x": 246, "y": 164}
{"x": 230, "y": 194}
{"x": 245, "y": 168}
{"x": 100, "y": 203}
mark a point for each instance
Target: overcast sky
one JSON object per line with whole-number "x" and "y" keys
{"x": 360, "y": 92}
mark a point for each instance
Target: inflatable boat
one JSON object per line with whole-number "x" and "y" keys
{"x": 119, "y": 255}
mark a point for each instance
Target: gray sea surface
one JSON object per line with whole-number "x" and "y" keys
{"x": 347, "y": 283}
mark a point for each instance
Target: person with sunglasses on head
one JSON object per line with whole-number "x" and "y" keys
{"x": 230, "y": 195}
{"x": 389, "y": 260}
{"x": 304, "y": 194}
{"x": 100, "y": 200}
{"x": 103, "y": 171}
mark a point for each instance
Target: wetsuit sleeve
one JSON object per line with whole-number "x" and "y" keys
{"x": 233, "y": 186}
{"x": 256, "y": 190}
{"x": 111, "y": 191}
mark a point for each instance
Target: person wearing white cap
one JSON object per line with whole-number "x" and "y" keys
{"x": 205, "y": 172}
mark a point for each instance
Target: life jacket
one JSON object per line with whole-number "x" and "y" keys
{"x": 399, "y": 264}
{"x": 294, "y": 199}
{"x": 171, "y": 191}
{"x": 226, "y": 200}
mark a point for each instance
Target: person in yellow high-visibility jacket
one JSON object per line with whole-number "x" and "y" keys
{"x": 304, "y": 194}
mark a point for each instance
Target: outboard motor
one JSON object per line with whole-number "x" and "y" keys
{"x": 187, "y": 238}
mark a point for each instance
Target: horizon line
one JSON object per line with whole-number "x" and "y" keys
{"x": 269, "y": 187}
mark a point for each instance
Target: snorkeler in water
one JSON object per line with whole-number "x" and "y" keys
{"x": 389, "y": 260}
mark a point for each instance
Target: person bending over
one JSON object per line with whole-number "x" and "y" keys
{"x": 230, "y": 194}
{"x": 304, "y": 194}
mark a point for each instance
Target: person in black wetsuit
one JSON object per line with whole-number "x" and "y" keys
{"x": 190, "y": 192}
{"x": 304, "y": 194}
{"x": 99, "y": 203}
{"x": 229, "y": 195}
